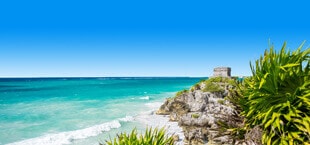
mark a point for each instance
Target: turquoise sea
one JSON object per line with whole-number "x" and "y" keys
{"x": 78, "y": 110}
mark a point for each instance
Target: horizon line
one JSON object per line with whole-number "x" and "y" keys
{"x": 42, "y": 77}
{"x": 1, "y": 77}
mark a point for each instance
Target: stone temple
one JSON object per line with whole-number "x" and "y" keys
{"x": 222, "y": 72}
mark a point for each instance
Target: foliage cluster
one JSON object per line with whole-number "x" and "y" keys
{"x": 225, "y": 80}
{"x": 217, "y": 84}
{"x": 195, "y": 87}
{"x": 181, "y": 92}
{"x": 151, "y": 137}
{"x": 277, "y": 96}
{"x": 212, "y": 87}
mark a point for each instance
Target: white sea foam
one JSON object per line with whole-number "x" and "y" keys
{"x": 70, "y": 136}
{"x": 142, "y": 98}
{"x": 153, "y": 120}
{"x": 145, "y": 98}
{"x": 127, "y": 119}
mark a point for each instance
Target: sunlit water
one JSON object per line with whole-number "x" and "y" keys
{"x": 79, "y": 110}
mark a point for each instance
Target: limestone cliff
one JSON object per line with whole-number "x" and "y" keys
{"x": 202, "y": 110}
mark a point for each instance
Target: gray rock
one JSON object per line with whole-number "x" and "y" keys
{"x": 198, "y": 112}
{"x": 176, "y": 137}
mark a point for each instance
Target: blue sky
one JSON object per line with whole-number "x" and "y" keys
{"x": 143, "y": 38}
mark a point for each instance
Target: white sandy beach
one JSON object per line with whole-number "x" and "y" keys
{"x": 152, "y": 120}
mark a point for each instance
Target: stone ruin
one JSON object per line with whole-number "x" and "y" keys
{"x": 222, "y": 72}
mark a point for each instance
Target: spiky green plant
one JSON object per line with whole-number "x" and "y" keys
{"x": 278, "y": 96}
{"x": 235, "y": 95}
{"x": 151, "y": 137}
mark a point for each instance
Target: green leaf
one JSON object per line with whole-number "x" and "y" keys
{"x": 290, "y": 65}
{"x": 268, "y": 123}
{"x": 263, "y": 80}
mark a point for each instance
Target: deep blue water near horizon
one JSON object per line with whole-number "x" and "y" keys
{"x": 70, "y": 110}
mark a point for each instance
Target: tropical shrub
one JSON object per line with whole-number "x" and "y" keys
{"x": 235, "y": 95}
{"x": 180, "y": 93}
{"x": 213, "y": 87}
{"x": 195, "y": 87}
{"x": 218, "y": 84}
{"x": 278, "y": 96}
{"x": 151, "y": 137}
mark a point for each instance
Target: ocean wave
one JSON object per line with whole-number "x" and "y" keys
{"x": 127, "y": 119}
{"x": 145, "y": 98}
{"x": 70, "y": 136}
{"x": 142, "y": 98}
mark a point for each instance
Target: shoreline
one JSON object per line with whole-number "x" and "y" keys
{"x": 98, "y": 103}
{"x": 146, "y": 119}
{"x": 151, "y": 119}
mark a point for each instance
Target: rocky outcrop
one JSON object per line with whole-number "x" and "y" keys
{"x": 199, "y": 113}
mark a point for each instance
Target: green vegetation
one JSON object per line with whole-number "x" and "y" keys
{"x": 274, "y": 103}
{"x": 195, "y": 116}
{"x": 217, "y": 84}
{"x": 235, "y": 95}
{"x": 277, "y": 96}
{"x": 221, "y": 80}
{"x": 212, "y": 86}
{"x": 178, "y": 94}
{"x": 221, "y": 101}
{"x": 181, "y": 92}
{"x": 196, "y": 87}
{"x": 236, "y": 132}
{"x": 151, "y": 137}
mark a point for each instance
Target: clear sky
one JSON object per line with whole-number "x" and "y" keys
{"x": 51, "y": 38}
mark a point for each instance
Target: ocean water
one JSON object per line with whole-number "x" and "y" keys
{"x": 79, "y": 110}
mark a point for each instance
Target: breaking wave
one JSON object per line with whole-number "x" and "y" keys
{"x": 69, "y": 136}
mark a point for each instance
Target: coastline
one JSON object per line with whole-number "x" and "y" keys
{"x": 151, "y": 119}
{"x": 72, "y": 107}
{"x": 145, "y": 119}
